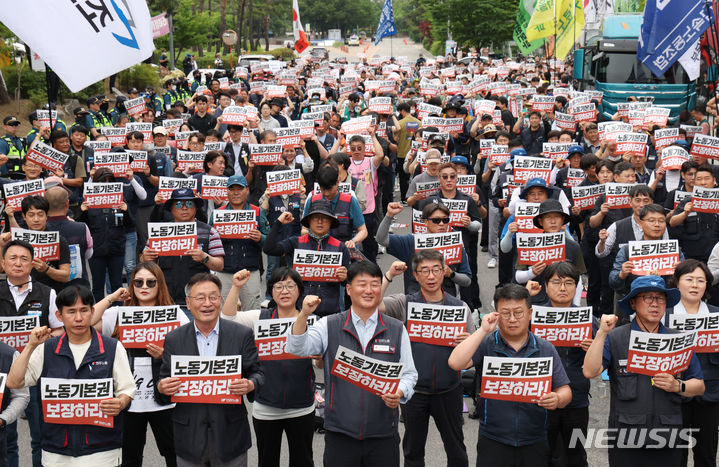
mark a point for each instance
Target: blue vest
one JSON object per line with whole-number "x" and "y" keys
{"x": 289, "y": 384}
{"x": 80, "y": 440}
{"x": 242, "y": 253}
{"x": 349, "y": 409}
{"x": 508, "y": 422}
{"x": 435, "y": 375}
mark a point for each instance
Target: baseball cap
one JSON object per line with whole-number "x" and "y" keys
{"x": 237, "y": 180}
{"x": 9, "y": 120}
{"x": 531, "y": 183}
{"x": 132, "y": 91}
{"x": 54, "y": 181}
{"x": 93, "y": 100}
{"x": 576, "y": 148}
{"x": 460, "y": 160}
{"x": 79, "y": 111}
{"x": 160, "y": 130}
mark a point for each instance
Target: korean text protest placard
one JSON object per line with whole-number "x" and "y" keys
{"x": 705, "y": 200}
{"x": 563, "y": 327}
{"x": 45, "y": 244}
{"x": 291, "y": 137}
{"x": 673, "y": 158}
{"x": 632, "y": 143}
{"x": 117, "y": 162}
{"x": 499, "y": 154}
{"x": 284, "y": 182}
{"x": 449, "y": 244}
{"x": 190, "y": 160}
{"x": 419, "y": 225}
{"x": 168, "y": 184}
{"x": 15, "y": 330}
{"x": 533, "y": 248}
{"x": 102, "y": 195}
{"x": 574, "y": 177}
{"x": 705, "y": 146}
{"x": 524, "y": 217}
{"x": 467, "y": 184}
{"x": 653, "y": 257}
{"x": 206, "y": 380}
{"x": 46, "y": 156}
{"x": 266, "y": 154}
{"x": 435, "y": 324}
{"x": 234, "y": 223}
{"x": 664, "y": 137}
{"x": 76, "y": 401}
{"x": 425, "y": 189}
{"x": 706, "y": 325}
{"x": 376, "y": 376}
{"x": 457, "y": 210}
{"x": 172, "y": 238}
{"x": 116, "y": 135}
{"x": 214, "y": 187}
{"x": 651, "y": 353}
{"x": 271, "y": 337}
{"x": 526, "y": 168}
{"x": 617, "y": 195}
{"x": 15, "y": 192}
{"x": 516, "y": 379}
{"x": 143, "y": 127}
{"x": 317, "y": 266}
{"x": 138, "y": 160}
{"x": 99, "y": 146}
{"x": 142, "y": 325}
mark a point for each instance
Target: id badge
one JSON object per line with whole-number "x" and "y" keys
{"x": 383, "y": 346}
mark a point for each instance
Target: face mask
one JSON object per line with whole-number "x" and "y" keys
{"x": 173, "y": 87}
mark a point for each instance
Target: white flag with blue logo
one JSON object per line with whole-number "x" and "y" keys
{"x": 83, "y": 41}
{"x": 386, "y": 23}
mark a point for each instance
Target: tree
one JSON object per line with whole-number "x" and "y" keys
{"x": 480, "y": 23}
{"x": 324, "y": 14}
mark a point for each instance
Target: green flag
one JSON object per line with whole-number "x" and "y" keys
{"x": 524, "y": 14}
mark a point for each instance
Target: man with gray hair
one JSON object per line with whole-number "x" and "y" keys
{"x": 76, "y": 233}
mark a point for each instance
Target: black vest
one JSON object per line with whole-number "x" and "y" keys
{"x": 289, "y": 384}
{"x": 80, "y": 440}
{"x": 75, "y": 233}
{"x": 37, "y": 302}
{"x": 435, "y": 375}
{"x": 349, "y": 409}
{"x": 277, "y": 207}
{"x": 107, "y": 230}
{"x": 6, "y": 359}
{"x": 179, "y": 269}
{"x": 241, "y": 253}
{"x": 635, "y": 402}
{"x": 329, "y": 292}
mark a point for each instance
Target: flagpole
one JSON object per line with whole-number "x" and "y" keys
{"x": 554, "y": 51}
{"x": 714, "y": 30}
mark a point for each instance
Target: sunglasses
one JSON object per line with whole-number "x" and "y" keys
{"x": 439, "y": 220}
{"x": 139, "y": 283}
{"x": 14, "y": 124}
{"x": 189, "y": 204}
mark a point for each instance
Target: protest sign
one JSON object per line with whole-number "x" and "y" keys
{"x": 526, "y": 168}
{"x": 45, "y": 156}
{"x": 213, "y": 187}
{"x": 524, "y": 217}
{"x": 266, "y": 154}
{"x": 435, "y": 324}
{"x": 284, "y": 182}
{"x": 375, "y": 376}
{"x": 652, "y": 353}
{"x": 168, "y": 184}
{"x": 102, "y": 195}
{"x": 271, "y": 337}
{"x": 15, "y": 192}
{"x": 15, "y": 330}
{"x": 516, "y": 379}
{"x": 317, "y": 266}
{"x": 586, "y": 196}
{"x": 206, "y": 380}
{"x": 142, "y": 325}
{"x": 116, "y": 162}
{"x": 705, "y": 200}
{"x": 617, "y": 195}
{"x": 172, "y": 238}
{"x": 467, "y": 184}
{"x": 533, "y": 248}
{"x": 192, "y": 161}
{"x": 233, "y": 224}
{"x": 76, "y": 401}
{"x": 563, "y": 327}
{"x": 45, "y": 244}
{"x": 448, "y": 243}
{"x": 706, "y": 325}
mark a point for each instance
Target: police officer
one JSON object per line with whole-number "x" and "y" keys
{"x": 512, "y": 433}
{"x": 12, "y": 147}
{"x": 244, "y": 253}
{"x": 319, "y": 221}
{"x": 155, "y": 102}
{"x": 96, "y": 118}
{"x": 208, "y": 255}
{"x": 361, "y": 428}
{"x": 438, "y": 391}
{"x": 638, "y": 401}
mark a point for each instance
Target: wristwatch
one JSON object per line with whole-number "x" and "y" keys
{"x": 206, "y": 259}
{"x": 682, "y": 386}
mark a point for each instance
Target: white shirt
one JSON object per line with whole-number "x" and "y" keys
{"x": 19, "y": 298}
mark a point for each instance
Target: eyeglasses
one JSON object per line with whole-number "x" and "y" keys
{"x": 150, "y": 283}
{"x": 649, "y": 299}
{"x": 559, "y": 283}
{"x": 691, "y": 280}
{"x": 426, "y": 271}
{"x": 438, "y": 220}
{"x": 288, "y": 287}
{"x": 448, "y": 177}
{"x": 204, "y": 298}
{"x": 509, "y": 314}
{"x": 189, "y": 204}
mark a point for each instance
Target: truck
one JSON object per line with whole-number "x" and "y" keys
{"x": 608, "y": 63}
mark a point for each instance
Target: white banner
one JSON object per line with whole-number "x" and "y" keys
{"x": 120, "y": 32}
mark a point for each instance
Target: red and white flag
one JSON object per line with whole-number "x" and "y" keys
{"x": 301, "y": 42}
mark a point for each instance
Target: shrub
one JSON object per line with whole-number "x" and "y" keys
{"x": 33, "y": 86}
{"x": 140, "y": 76}
{"x": 437, "y": 48}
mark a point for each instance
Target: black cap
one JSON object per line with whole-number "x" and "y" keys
{"x": 321, "y": 206}
{"x": 549, "y": 206}
{"x": 79, "y": 111}
{"x": 93, "y": 100}
{"x": 10, "y": 119}
{"x": 132, "y": 91}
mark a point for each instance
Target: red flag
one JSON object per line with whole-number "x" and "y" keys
{"x": 301, "y": 42}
